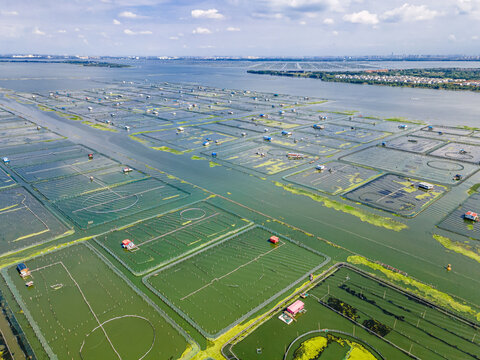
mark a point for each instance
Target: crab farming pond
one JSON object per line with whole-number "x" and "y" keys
{"x": 210, "y": 222}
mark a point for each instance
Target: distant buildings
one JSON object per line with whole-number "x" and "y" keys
{"x": 407, "y": 79}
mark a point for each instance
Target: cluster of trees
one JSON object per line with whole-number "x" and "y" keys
{"x": 377, "y": 327}
{"x": 344, "y": 308}
{"x": 96, "y": 63}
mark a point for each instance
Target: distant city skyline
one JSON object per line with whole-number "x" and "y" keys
{"x": 239, "y": 27}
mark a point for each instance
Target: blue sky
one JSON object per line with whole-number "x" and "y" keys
{"x": 240, "y": 27}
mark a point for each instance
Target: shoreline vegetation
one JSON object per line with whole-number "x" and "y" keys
{"x": 444, "y": 79}
{"x": 374, "y": 219}
{"x": 423, "y": 290}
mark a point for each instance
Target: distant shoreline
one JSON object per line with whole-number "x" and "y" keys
{"x": 72, "y": 62}
{"x": 443, "y": 79}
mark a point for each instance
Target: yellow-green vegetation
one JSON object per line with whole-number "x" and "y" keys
{"x": 214, "y": 347}
{"x": 345, "y": 112}
{"x": 186, "y": 354}
{"x": 311, "y": 348}
{"x": 9, "y": 207}
{"x": 147, "y": 131}
{"x": 458, "y": 247}
{"x": 141, "y": 141}
{"x": 409, "y": 187}
{"x": 44, "y": 108}
{"x": 273, "y": 166}
{"x": 403, "y": 120}
{"x": 358, "y": 352}
{"x": 213, "y": 164}
{"x": 317, "y": 102}
{"x": 99, "y": 126}
{"x": 59, "y": 113}
{"x": 23, "y": 255}
{"x": 377, "y": 220}
{"x": 278, "y": 124}
{"x": 284, "y": 143}
{"x": 355, "y": 181}
{"x": 473, "y": 189}
{"x": 423, "y": 290}
{"x": 18, "y": 99}
{"x": 30, "y": 235}
{"x": 196, "y": 157}
{"x": 471, "y": 128}
{"x": 167, "y": 149}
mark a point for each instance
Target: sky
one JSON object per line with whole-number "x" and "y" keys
{"x": 239, "y": 27}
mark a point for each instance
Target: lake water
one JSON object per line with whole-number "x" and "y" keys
{"x": 413, "y": 250}
{"x": 438, "y": 106}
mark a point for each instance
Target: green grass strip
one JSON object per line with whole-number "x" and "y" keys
{"x": 421, "y": 289}
{"x": 377, "y": 220}
{"x": 458, "y": 247}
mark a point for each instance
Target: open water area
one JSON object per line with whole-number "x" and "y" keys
{"x": 244, "y": 179}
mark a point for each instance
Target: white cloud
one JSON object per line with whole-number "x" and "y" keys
{"x": 116, "y": 22}
{"x": 131, "y": 32}
{"x": 174, "y": 38}
{"x": 362, "y": 17}
{"x": 452, "y": 37}
{"x": 129, "y": 15}
{"x": 466, "y": 6}
{"x": 469, "y": 7}
{"x": 307, "y": 5}
{"x": 206, "y": 47}
{"x": 9, "y": 13}
{"x": 408, "y": 12}
{"x": 311, "y": 15}
{"x": 328, "y": 21}
{"x": 202, "y": 31}
{"x": 474, "y": 37}
{"x": 62, "y": 31}
{"x": 302, "y": 23}
{"x": 37, "y": 31}
{"x": 335, "y": 33}
{"x": 231, "y": 28}
{"x": 208, "y": 14}
{"x": 268, "y": 16}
